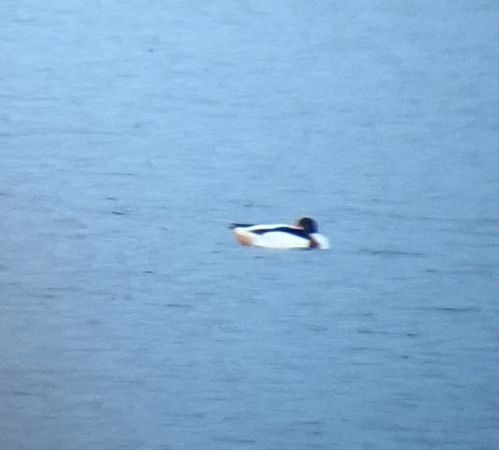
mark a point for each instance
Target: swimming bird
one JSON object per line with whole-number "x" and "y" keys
{"x": 303, "y": 235}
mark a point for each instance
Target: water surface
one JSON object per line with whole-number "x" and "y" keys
{"x": 130, "y": 134}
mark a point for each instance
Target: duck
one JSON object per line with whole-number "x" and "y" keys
{"x": 304, "y": 234}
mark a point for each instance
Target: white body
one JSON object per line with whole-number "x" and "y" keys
{"x": 278, "y": 239}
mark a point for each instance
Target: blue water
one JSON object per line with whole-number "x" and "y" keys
{"x": 132, "y": 132}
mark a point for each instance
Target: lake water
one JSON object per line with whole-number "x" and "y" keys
{"x": 132, "y": 132}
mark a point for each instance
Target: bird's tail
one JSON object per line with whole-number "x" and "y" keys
{"x": 239, "y": 225}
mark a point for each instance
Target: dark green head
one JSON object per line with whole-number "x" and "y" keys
{"x": 308, "y": 224}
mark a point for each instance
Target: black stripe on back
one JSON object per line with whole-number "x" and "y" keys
{"x": 288, "y": 230}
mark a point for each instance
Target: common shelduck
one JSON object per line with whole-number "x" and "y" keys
{"x": 303, "y": 235}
